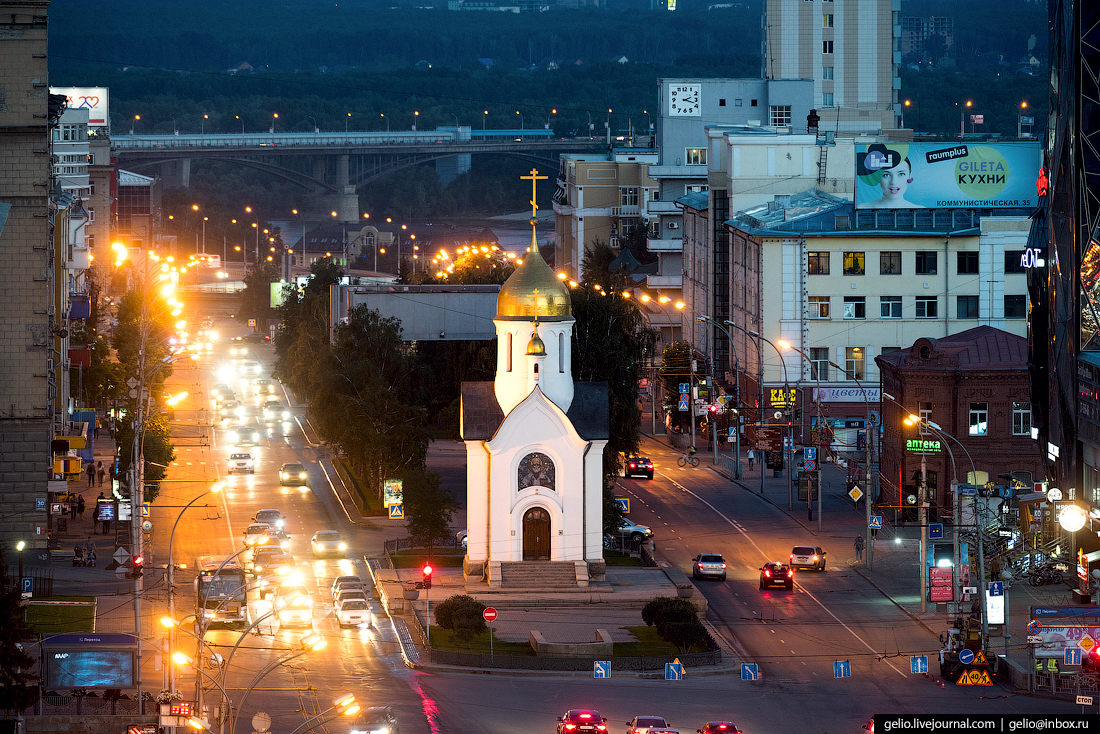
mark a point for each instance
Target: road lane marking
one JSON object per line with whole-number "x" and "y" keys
{"x": 800, "y": 586}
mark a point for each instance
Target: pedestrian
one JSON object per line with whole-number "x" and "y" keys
{"x": 80, "y": 506}
{"x": 91, "y": 474}
{"x": 95, "y": 432}
{"x": 859, "y": 547}
{"x": 752, "y": 459}
{"x": 101, "y": 472}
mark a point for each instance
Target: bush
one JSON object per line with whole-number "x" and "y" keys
{"x": 462, "y": 616}
{"x": 676, "y": 621}
{"x": 662, "y": 603}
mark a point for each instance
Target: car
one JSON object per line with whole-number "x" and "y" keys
{"x": 280, "y": 536}
{"x": 353, "y": 611}
{"x": 294, "y": 606}
{"x": 255, "y": 338}
{"x": 274, "y": 518}
{"x": 634, "y": 531}
{"x": 581, "y": 721}
{"x": 274, "y": 411}
{"x": 261, "y": 557}
{"x": 241, "y": 462}
{"x": 719, "y": 727}
{"x": 232, "y": 409}
{"x": 328, "y": 543}
{"x": 292, "y": 474}
{"x": 378, "y": 720}
{"x": 243, "y": 435}
{"x": 776, "y": 573}
{"x": 250, "y": 368}
{"x": 219, "y": 390}
{"x": 340, "y": 581}
{"x": 644, "y": 724}
{"x": 257, "y": 533}
{"x": 238, "y": 353}
{"x": 265, "y": 386}
{"x": 708, "y": 565}
{"x": 808, "y": 556}
{"x": 348, "y": 592}
{"x": 639, "y": 466}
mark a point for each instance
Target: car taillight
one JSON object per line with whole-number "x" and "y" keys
{"x": 570, "y": 727}
{"x": 723, "y": 565}
{"x": 586, "y": 716}
{"x": 700, "y": 565}
{"x": 601, "y": 727}
{"x": 790, "y": 574}
{"x": 768, "y": 574}
{"x": 815, "y": 558}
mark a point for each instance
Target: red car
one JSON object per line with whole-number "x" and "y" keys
{"x": 582, "y": 721}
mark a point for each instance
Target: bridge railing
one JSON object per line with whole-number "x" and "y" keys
{"x": 312, "y": 140}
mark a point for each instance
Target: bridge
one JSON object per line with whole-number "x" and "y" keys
{"x": 331, "y": 166}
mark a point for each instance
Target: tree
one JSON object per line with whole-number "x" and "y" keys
{"x": 462, "y": 616}
{"x": 675, "y": 371}
{"x": 18, "y": 689}
{"x": 303, "y": 339}
{"x": 256, "y": 299}
{"x": 676, "y": 621}
{"x": 428, "y": 507}
{"x": 156, "y": 449}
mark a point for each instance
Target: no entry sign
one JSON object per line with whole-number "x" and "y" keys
{"x": 490, "y": 614}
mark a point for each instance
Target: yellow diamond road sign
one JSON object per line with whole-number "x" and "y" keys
{"x": 855, "y": 494}
{"x": 1086, "y": 643}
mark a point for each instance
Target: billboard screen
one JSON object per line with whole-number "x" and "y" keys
{"x": 93, "y": 99}
{"x": 87, "y": 669}
{"x": 946, "y": 175}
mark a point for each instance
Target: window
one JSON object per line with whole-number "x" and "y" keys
{"x": 889, "y": 307}
{"x": 561, "y": 352}
{"x": 853, "y": 362}
{"x": 979, "y": 419}
{"x": 91, "y": 214}
{"x": 820, "y": 358}
{"x": 926, "y": 307}
{"x": 1015, "y": 307}
{"x": 967, "y": 307}
{"x": 819, "y": 307}
{"x": 926, "y": 263}
{"x": 827, "y": 97}
{"x": 855, "y": 307}
{"x": 826, "y": 47}
{"x": 736, "y": 103}
{"x": 887, "y": 350}
{"x": 827, "y": 73}
{"x": 697, "y": 156}
{"x": 827, "y": 20}
{"x": 1021, "y": 419}
{"x": 924, "y": 412}
{"x": 818, "y": 263}
{"x": 968, "y": 263}
{"x": 753, "y": 103}
{"x": 722, "y": 102}
{"x": 889, "y": 263}
{"x": 508, "y": 353}
{"x": 628, "y": 196}
{"x": 1013, "y": 262}
{"x": 780, "y": 115}
{"x": 854, "y": 263}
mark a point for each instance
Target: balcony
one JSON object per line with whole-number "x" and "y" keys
{"x": 665, "y": 281}
{"x": 81, "y": 258}
{"x": 626, "y": 211}
{"x": 676, "y": 245}
{"x": 662, "y": 207}
{"x": 694, "y": 171}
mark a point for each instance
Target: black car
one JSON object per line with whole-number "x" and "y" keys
{"x": 776, "y": 574}
{"x": 255, "y": 338}
{"x": 583, "y": 721}
{"x": 639, "y": 466}
{"x": 719, "y": 727}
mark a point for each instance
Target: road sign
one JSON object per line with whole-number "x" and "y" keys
{"x": 975, "y": 677}
{"x": 810, "y": 453}
{"x": 624, "y": 504}
{"x": 935, "y": 531}
{"x": 682, "y": 405}
{"x": 261, "y": 721}
{"x": 490, "y": 614}
{"x": 685, "y": 387}
{"x": 1084, "y": 700}
{"x": 996, "y": 588}
{"x": 1087, "y": 643}
{"x": 876, "y": 522}
{"x": 855, "y": 493}
{"x": 749, "y": 671}
{"x": 811, "y": 465}
{"x": 27, "y": 586}
{"x": 40, "y": 503}
{"x": 966, "y": 657}
{"x": 674, "y": 670}
{"x": 601, "y": 669}
{"x": 918, "y": 663}
{"x": 967, "y": 490}
{"x": 1034, "y": 627}
{"x": 842, "y": 669}
{"x": 252, "y": 323}
{"x": 1035, "y": 639}
{"x": 1072, "y": 656}
{"x": 979, "y": 658}
{"x": 145, "y": 509}
{"x": 397, "y": 512}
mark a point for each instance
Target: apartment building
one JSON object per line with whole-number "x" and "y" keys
{"x": 850, "y": 48}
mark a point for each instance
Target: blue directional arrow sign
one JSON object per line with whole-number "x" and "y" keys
{"x": 1073, "y": 656}
{"x": 674, "y": 671}
{"x": 685, "y": 387}
{"x": 876, "y": 522}
{"x": 682, "y": 405}
{"x": 918, "y": 663}
{"x": 997, "y": 588}
{"x": 397, "y": 512}
{"x": 966, "y": 657}
{"x": 842, "y": 669}
{"x": 935, "y": 531}
{"x": 749, "y": 671}
{"x": 811, "y": 453}
{"x": 601, "y": 669}
{"x": 624, "y": 504}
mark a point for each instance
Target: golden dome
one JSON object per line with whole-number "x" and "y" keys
{"x": 535, "y": 347}
{"x": 533, "y": 292}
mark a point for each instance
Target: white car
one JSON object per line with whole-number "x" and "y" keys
{"x": 294, "y": 606}
{"x": 241, "y": 463}
{"x": 273, "y": 411}
{"x": 340, "y": 581}
{"x": 243, "y": 436}
{"x": 328, "y": 543}
{"x": 353, "y": 611}
{"x": 257, "y": 533}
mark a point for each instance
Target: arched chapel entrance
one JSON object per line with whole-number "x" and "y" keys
{"x": 536, "y": 535}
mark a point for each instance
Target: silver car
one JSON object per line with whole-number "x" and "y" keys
{"x": 328, "y": 543}
{"x": 708, "y": 566}
{"x": 808, "y": 556}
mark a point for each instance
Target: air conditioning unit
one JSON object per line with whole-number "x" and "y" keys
{"x": 674, "y": 225}
{"x": 614, "y": 231}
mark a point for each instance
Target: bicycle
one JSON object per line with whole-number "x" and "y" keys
{"x": 1045, "y": 574}
{"x": 686, "y": 459}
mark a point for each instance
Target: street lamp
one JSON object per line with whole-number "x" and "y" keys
{"x": 416, "y": 116}
{"x": 737, "y": 391}
{"x": 346, "y": 121}
{"x": 962, "y": 115}
{"x": 905, "y": 106}
{"x": 548, "y": 117}
{"x": 309, "y": 643}
{"x": 316, "y": 127}
{"x": 344, "y": 705}
{"x": 484, "y": 116}
{"x": 242, "y": 125}
{"x": 383, "y": 116}
{"x": 19, "y": 548}
{"x": 202, "y": 125}
{"x": 520, "y": 120}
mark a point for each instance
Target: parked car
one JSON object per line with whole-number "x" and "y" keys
{"x": 634, "y": 531}
{"x": 340, "y": 581}
{"x": 643, "y": 724}
{"x": 808, "y": 556}
{"x": 776, "y": 573}
{"x": 639, "y": 466}
{"x": 328, "y": 543}
{"x": 581, "y": 721}
{"x": 719, "y": 727}
{"x": 709, "y": 565}
{"x": 242, "y": 462}
{"x": 292, "y": 474}
{"x": 353, "y": 611}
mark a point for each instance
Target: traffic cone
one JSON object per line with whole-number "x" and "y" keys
{"x": 942, "y": 684}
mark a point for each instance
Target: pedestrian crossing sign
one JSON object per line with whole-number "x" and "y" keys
{"x": 397, "y": 512}
{"x": 876, "y": 522}
{"x": 682, "y": 405}
{"x": 624, "y": 504}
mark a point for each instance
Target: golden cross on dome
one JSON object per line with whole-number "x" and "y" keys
{"x": 534, "y": 178}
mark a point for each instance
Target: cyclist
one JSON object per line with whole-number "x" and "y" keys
{"x": 691, "y": 452}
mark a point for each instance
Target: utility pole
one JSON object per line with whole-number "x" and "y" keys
{"x": 921, "y": 564}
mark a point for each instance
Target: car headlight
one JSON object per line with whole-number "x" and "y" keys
{"x": 302, "y": 475}
{"x": 343, "y": 546}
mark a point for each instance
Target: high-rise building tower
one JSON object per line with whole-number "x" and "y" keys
{"x": 850, "y": 48}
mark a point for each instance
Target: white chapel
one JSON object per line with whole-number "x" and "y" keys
{"x": 534, "y": 443}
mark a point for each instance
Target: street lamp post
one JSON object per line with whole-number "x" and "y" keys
{"x": 309, "y": 643}
{"x": 737, "y": 406}
{"x": 242, "y": 126}
{"x": 383, "y": 116}
{"x": 202, "y": 125}
{"x": 484, "y": 117}
{"x": 760, "y": 377}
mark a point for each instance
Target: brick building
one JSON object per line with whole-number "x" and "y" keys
{"x": 974, "y": 385}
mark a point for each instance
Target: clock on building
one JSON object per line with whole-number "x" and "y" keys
{"x": 683, "y": 100}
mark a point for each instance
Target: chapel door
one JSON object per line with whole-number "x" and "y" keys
{"x": 536, "y": 535}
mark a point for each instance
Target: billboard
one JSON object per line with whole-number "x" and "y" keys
{"x": 947, "y": 176}
{"x": 71, "y": 668}
{"x": 93, "y": 99}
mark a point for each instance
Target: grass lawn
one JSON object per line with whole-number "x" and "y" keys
{"x": 442, "y": 558}
{"x": 621, "y": 559}
{"x": 648, "y": 644}
{"x": 52, "y": 619}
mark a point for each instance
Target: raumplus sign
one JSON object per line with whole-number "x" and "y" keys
{"x": 921, "y": 445}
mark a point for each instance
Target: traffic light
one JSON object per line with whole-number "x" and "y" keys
{"x": 139, "y": 566}
{"x": 427, "y": 575}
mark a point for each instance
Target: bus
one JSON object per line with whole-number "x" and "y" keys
{"x": 207, "y": 260}
{"x": 221, "y": 596}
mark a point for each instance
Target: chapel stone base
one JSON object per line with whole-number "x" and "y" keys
{"x": 534, "y": 576}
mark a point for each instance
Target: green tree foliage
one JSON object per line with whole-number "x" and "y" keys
{"x": 675, "y": 370}
{"x": 143, "y": 333}
{"x": 303, "y": 337}
{"x": 18, "y": 688}
{"x": 462, "y": 616}
{"x": 256, "y": 299}
{"x": 676, "y": 621}
{"x": 103, "y": 381}
{"x": 157, "y": 451}
{"x": 428, "y": 507}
